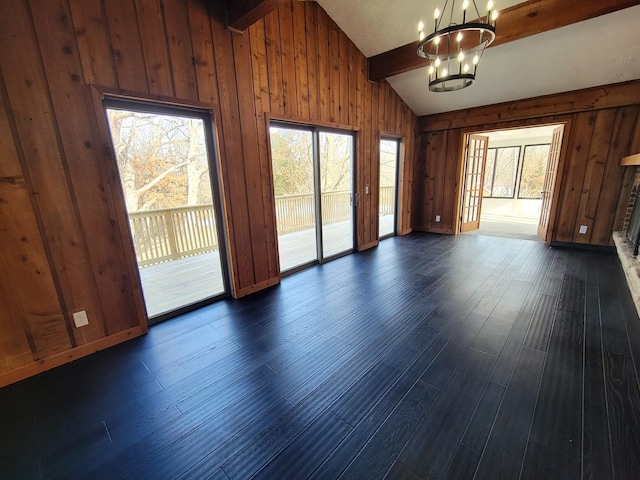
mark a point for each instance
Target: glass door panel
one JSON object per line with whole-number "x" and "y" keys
{"x": 163, "y": 161}
{"x": 389, "y": 152}
{"x": 335, "y": 154}
{"x": 293, "y": 181}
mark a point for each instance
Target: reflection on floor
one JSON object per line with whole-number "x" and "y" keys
{"x": 524, "y": 228}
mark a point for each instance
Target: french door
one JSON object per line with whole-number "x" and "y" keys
{"x": 549, "y": 181}
{"x": 167, "y": 172}
{"x": 313, "y": 187}
{"x": 476, "y": 155}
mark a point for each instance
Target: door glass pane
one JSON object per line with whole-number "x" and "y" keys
{"x": 534, "y": 165}
{"x": 293, "y": 181}
{"x": 164, "y": 170}
{"x": 388, "y": 174}
{"x": 336, "y": 158}
{"x": 506, "y": 167}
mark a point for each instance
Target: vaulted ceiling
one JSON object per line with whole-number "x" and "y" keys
{"x": 597, "y": 51}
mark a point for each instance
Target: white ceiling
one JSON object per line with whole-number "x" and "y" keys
{"x": 596, "y": 52}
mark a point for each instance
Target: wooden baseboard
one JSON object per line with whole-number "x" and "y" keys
{"x": 243, "y": 292}
{"x": 447, "y": 231}
{"x": 369, "y": 245}
{"x": 584, "y": 246}
{"x": 68, "y": 356}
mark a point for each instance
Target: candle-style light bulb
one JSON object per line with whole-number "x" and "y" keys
{"x": 431, "y": 70}
{"x": 465, "y": 4}
{"x": 436, "y": 40}
{"x": 461, "y": 56}
{"x": 494, "y": 15}
{"x": 444, "y": 72}
{"x": 436, "y": 13}
{"x": 466, "y": 67}
{"x": 420, "y": 25}
{"x": 490, "y": 5}
{"x": 476, "y": 59}
{"x": 437, "y": 62}
{"x": 421, "y": 36}
{"x": 459, "y": 37}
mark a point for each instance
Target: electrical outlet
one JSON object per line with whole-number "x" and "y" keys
{"x": 366, "y": 189}
{"x": 80, "y": 318}
{"x": 437, "y": 218}
{"x": 583, "y": 229}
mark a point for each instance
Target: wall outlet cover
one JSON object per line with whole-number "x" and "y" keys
{"x": 437, "y": 218}
{"x": 583, "y": 229}
{"x": 80, "y": 318}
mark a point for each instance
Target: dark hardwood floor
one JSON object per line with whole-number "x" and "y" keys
{"x": 429, "y": 357}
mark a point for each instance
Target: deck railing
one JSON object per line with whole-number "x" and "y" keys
{"x": 172, "y": 233}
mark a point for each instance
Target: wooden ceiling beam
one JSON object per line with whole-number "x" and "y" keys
{"x": 244, "y": 13}
{"x": 514, "y": 23}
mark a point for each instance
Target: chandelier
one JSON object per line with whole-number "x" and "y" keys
{"x": 454, "y": 49}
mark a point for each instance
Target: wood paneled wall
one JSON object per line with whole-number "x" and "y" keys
{"x": 602, "y": 126}
{"x": 63, "y": 229}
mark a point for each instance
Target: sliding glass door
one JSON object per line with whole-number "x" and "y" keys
{"x": 163, "y": 157}
{"x": 336, "y": 159}
{"x": 389, "y": 155}
{"x": 312, "y": 175}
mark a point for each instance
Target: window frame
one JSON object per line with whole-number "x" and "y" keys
{"x": 493, "y": 174}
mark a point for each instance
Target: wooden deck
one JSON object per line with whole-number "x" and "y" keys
{"x": 171, "y": 285}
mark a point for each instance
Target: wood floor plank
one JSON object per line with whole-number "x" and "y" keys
{"x": 306, "y": 452}
{"x": 622, "y": 392}
{"x": 477, "y": 432}
{"x": 596, "y": 447}
{"x": 504, "y": 452}
{"x": 367, "y": 366}
{"x": 381, "y": 451}
{"x": 433, "y": 444}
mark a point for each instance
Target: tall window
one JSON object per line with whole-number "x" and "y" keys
{"x": 500, "y": 172}
{"x": 534, "y": 165}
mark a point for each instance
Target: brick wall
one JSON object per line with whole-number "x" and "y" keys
{"x": 632, "y": 198}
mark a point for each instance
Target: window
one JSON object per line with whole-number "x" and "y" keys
{"x": 534, "y": 165}
{"x": 501, "y": 172}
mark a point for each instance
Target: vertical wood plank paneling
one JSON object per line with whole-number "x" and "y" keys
{"x": 93, "y": 41}
{"x": 300, "y": 60}
{"x": 233, "y": 170}
{"x": 262, "y": 105}
{"x": 313, "y": 62}
{"x": 253, "y": 172}
{"x": 295, "y": 62}
{"x": 343, "y": 61}
{"x": 334, "y": 73}
{"x": 259, "y": 67}
{"x": 154, "y": 47}
{"x": 354, "y": 72}
{"x": 287, "y": 54}
{"x": 64, "y": 77}
{"x": 622, "y": 136}
{"x": 126, "y": 46}
{"x": 574, "y": 174}
{"x": 202, "y": 45}
{"x": 592, "y": 183}
{"x": 451, "y": 167}
{"x": 274, "y": 63}
{"x": 40, "y": 142}
{"x": 23, "y": 260}
{"x": 324, "y": 65}
{"x": 176, "y": 19}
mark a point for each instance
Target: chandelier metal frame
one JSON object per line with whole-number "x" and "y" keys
{"x": 448, "y": 49}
